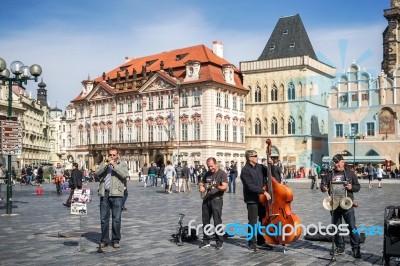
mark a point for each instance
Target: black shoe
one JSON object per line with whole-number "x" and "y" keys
{"x": 356, "y": 253}
{"x": 338, "y": 251}
{"x": 265, "y": 246}
{"x": 204, "y": 244}
{"x": 66, "y": 205}
{"x": 253, "y": 247}
{"x": 218, "y": 246}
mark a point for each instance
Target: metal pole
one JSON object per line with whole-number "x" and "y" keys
{"x": 9, "y": 185}
{"x": 354, "y": 156}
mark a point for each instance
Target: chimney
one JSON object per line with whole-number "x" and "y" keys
{"x": 128, "y": 58}
{"x": 218, "y": 48}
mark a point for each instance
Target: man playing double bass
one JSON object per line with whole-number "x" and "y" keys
{"x": 253, "y": 180}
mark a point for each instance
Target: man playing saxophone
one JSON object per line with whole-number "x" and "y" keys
{"x": 112, "y": 173}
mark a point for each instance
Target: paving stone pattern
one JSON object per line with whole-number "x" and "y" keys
{"x": 41, "y": 230}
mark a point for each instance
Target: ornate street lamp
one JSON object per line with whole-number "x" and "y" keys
{"x": 21, "y": 74}
{"x": 354, "y": 136}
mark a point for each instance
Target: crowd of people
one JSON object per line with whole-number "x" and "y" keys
{"x": 181, "y": 177}
{"x": 212, "y": 182}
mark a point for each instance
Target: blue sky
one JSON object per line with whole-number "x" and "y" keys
{"x": 75, "y": 39}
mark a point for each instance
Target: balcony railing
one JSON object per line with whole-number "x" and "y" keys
{"x": 161, "y": 144}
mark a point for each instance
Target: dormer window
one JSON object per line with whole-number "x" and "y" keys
{"x": 180, "y": 56}
{"x": 272, "y": 47}
{"x": 149, "y": 63}
{"x": 228, "y": 72}
{"x": 292, "y": 45}
{"x": 192, "y": 70}
{"x": 285, "y": 32}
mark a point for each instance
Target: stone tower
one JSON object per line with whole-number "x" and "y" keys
{"x": 391, "y": 46}
{"x": 42, "y": 93}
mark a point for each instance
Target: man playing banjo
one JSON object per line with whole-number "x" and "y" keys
{"x": 217, "y": 180}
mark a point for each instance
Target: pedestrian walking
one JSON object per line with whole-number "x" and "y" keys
{"x": 58, "y": 177}
{"x": 75, "y": 182}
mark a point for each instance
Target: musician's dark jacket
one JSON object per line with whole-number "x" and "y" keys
{"x": 253, "y": 179}
{"x": 351, "y": 177}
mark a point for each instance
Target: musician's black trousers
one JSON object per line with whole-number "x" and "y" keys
{"x": 350, "y": 219}
{"x": 212, "y": 208}
{"x": 256, "y": 212}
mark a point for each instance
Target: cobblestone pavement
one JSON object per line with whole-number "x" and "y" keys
{"x": 42, "y": 232}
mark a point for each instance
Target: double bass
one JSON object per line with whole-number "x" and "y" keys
{"x": 278, "y": 211}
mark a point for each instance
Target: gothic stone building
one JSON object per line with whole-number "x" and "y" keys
{"x": 288, "y": 95}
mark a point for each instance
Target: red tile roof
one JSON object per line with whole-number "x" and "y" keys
{"x": 211, "y": 67}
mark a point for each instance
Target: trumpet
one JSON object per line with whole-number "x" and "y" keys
{"x": 107, "y": 161}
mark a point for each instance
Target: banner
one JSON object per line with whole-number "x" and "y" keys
{"x": 79, "y": 200}
{"x": 78, "y": 208}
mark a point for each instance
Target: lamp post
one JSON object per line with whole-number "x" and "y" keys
{"x": 21, "y": 74}
{"x": 354, "y": 136}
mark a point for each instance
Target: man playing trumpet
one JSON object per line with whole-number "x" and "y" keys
{"x": 112, "y": 173}
{"x": 351, "y": 186}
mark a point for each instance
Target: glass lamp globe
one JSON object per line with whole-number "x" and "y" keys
{"x": 16, "y": 67}
{"x": 5, "y": 73}
{"x": 25, "y": 72}
{"x": 36, "y": 70}
{"x": 3, "y": 64}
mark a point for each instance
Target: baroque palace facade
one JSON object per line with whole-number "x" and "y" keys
{"x": 183, "y": 105}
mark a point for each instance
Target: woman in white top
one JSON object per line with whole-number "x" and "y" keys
{"x": 379, "y": 175}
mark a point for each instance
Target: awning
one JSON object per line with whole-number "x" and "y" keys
{"x": 359, "y": 159}
{"x": 289, "y": 164}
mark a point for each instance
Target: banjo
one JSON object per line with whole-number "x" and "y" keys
{"x": 208, "y": 186}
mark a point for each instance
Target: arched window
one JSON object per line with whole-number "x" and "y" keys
{"x": 274, "y": 93}
{"x": 257, "y": 95}
{"x": 300, "y": 123}
{"x": 291, "y": 126}
{"x": 274, "y": 126}
{"x": 291, "y": 92}
{"x": 257, "y": 127}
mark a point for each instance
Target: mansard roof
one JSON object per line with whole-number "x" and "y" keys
{"x": 172, "y": 65}
{"x": 288, "y": 39}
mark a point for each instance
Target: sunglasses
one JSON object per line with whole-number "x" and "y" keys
{"x": 254, "y": 156}
{"x": 335, "y": 160}
{"x": 112, "y": 154}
